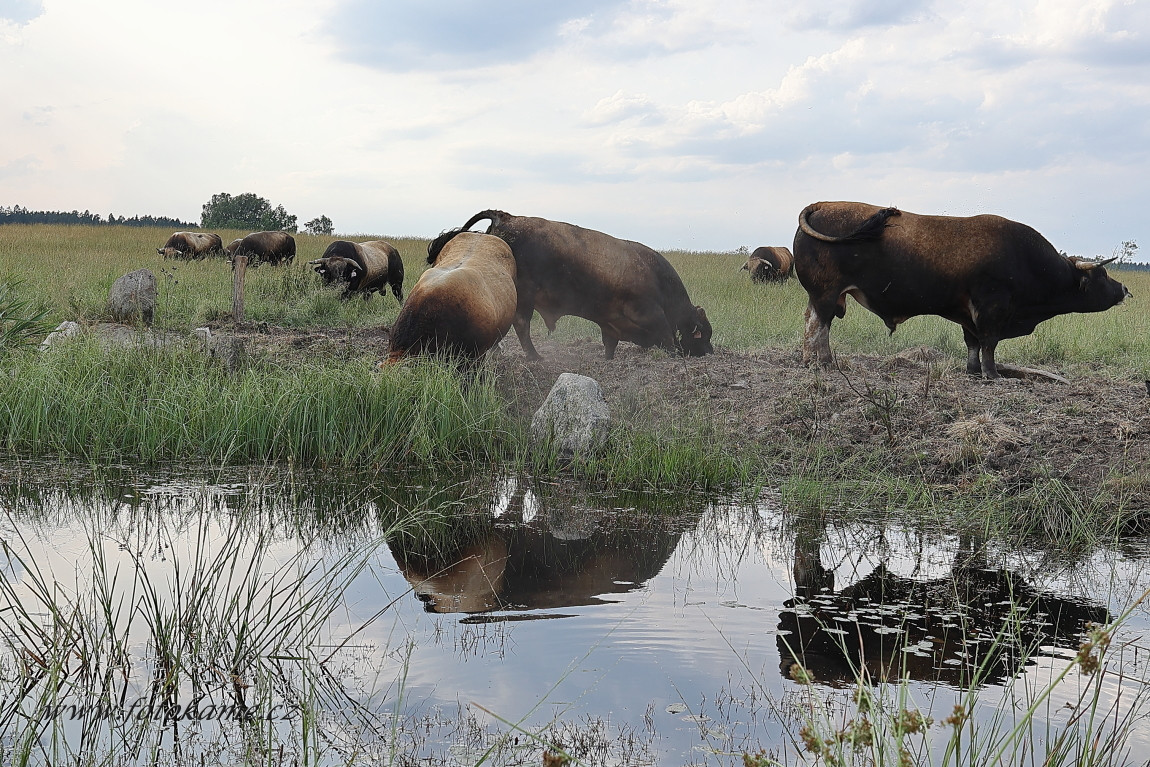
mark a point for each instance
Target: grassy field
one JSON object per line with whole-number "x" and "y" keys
{"x": 70, "y": 269}
{"x": 94, "y": 403}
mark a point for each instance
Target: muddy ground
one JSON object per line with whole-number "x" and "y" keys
{"x": 918, "y": 412}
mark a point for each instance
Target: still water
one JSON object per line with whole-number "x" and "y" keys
{"x": 279, "y": 619}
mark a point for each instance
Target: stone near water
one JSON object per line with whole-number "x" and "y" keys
{"x": 575, "y": 416}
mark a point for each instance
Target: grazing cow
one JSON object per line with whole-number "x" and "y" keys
{"x": 463, "y": 304}
{"x": 995, "y": 277}
{"x": 631, "y": 292}
{"x": 770, "y": 264}
{"x": 272, "y": 247}
{"x": 231, "y": 247}
{"x": 191, "y": 245}
{"x": 361, "y": 267}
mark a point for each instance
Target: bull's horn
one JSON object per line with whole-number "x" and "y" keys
{"x": 1107, "y": 261}
{"x": 316, "y": 261}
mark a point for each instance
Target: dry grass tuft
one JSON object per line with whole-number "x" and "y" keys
{"x": 975, "y": 438}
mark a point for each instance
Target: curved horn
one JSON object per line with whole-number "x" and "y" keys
{"x": 317, "y": 261}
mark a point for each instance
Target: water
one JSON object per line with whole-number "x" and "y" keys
{"x": 318, "y": 624}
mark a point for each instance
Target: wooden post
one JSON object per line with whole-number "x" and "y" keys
{"x": 241, "y": 267}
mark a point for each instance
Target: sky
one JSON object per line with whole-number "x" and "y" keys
{"x": 683, "y": 124}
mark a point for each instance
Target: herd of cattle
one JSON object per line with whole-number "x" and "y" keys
{"x": 996, "y": 278}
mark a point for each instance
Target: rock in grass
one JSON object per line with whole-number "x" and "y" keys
{"x": 574, "y": 417}
{"x": 63, "y": 331}
{"x": 133, "y": 297}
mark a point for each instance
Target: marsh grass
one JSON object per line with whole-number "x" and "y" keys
{"x": 1059, "y": 720}
{"x": 155, "y": 405}
{"x": 218, "y": 647}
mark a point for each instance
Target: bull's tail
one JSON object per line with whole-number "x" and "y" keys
{"x": 436, "y": 245}
{"x": 871, "y": 229}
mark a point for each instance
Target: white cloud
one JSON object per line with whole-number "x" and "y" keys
{"x": 692, "y": 123}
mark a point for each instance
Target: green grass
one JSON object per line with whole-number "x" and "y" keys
{"x": 177, "y": 404}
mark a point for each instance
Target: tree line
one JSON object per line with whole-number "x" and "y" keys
{"x": 18, "y": 214}
{"x": 222, "y": 211}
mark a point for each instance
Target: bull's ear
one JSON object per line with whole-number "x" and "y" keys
{"x": 352, "y": 274}
{"x": 321, "y": 270}
{"x": 702, "y": 314}
{"x": 696, "y": 333}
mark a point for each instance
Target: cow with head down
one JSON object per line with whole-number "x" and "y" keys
{"x": 266, "y": 247}
{"x": 231, "y": 248}
{"x": 770, "y": 264}
{"x": 361, "y": 267}
{"x": 631, "y": 292}
{"x": 191, "y": 245}
{"x": 463, "y": 304}
{"x": 995, "y": 277}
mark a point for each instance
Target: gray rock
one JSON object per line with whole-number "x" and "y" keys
{"x": 65, "y": 330}
{"x": 575, "y": 416}
{"x": 133, "y": 297}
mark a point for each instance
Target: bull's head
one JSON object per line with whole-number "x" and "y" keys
{"x": 1102, "y": 290}
{"x": 695, "y": 337}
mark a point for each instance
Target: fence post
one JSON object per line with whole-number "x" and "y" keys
{"x": 241, "y": 268}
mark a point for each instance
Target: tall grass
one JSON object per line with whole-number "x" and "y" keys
{"x": 883, "y": 724}
{"x": 217, "y": 650}
{"x": 158, "y": 405}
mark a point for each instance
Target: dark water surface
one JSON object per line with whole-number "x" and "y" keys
{"x": 629, "y": 629}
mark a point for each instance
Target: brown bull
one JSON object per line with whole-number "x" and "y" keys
{"x": 631, "y": 292}
{"x": 266, "y": 247}
{"x": 191, "y": 245}
{"x": 995, "y": 277}
{"x": 770, "y": 264}
{"x": 361, "y": 267}
{"x": 463, "y": 304}
{"x": 231, "y": 247}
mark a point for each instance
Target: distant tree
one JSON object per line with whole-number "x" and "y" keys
{"x": 321, "y": 225}
{"x": 1126, "y": 252}
{"x": 245, "y": 211}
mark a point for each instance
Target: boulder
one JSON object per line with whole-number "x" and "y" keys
{"x": 574, "y": 417}
{"x": 133, "y": 297}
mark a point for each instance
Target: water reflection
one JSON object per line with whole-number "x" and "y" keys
{"x": 973, "y": 625}
{"x": 536, "y": 552}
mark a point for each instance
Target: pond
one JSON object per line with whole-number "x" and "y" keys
{"x": 276, "y": 618}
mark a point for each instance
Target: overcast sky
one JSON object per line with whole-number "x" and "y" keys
{"x": 691, "y": 124}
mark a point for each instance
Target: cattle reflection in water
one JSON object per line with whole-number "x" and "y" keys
{"x": 536, "y": 555}
{"x": 978, "y": 625}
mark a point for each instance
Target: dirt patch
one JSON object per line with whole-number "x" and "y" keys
{"x": 919, "y": 411}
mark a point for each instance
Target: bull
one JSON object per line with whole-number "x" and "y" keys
{"x": 191, "y": 245}
{"x": 995, "y": 277}
{"x": 463, "y": 304}
{"x": 231, "y": 247}
{"x": 631, "y": 292}
{"x": 361, "y": 267}
{"x": 266, "y": 247}
{"x": 770, "y": 264}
